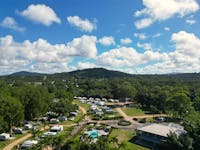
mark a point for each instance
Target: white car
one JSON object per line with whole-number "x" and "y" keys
{"x": 54, "y": 121}
{"x": 48, "y": 134}
{"x": 4, "y": 136}
{"x": 28, "y": 126}
{"x": 28, "y": 144}
{"x": 56, "y": 129}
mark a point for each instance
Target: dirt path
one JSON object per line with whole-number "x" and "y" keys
{"x": 83, "y": 110}
{"x": 128, "y": 118}
{"x": 22, "y": 139}
{"x": 18, "y": 141}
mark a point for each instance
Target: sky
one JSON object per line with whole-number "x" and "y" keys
{"x": 133, "y": 36}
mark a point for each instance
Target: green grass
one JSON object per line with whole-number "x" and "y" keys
{"x": 133, "y": 111}
{"x": 5, "y": 143}
{"x": 124, "y": 136}
{"x": 86, "y": 106}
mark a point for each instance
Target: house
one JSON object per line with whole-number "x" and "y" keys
{"x": 28, "y": 144}
{"x": 151, "y": 135}
{"x": 4, "y": 136}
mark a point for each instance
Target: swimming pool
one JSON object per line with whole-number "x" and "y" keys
{"x": 93, "y": 133}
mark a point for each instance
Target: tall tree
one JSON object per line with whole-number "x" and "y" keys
{"x": 12, "y": 111}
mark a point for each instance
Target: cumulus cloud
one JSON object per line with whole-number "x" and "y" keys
{"x": 83, "y": 24}
{"x": 85, "y": 65}
{"x": 107, "y": 40}
{"x": 40, "y": 13}
{"x": 156, "y": 10}
{"x": 185, "y": 57}
{"x": 141, "y": 36}
{"x": 10, "y": 23}
{"x": 127, "y": 57}
{"x": 125, "y": 41}
{"x": 40, "y": 52}
{"x": 145, "y": 46}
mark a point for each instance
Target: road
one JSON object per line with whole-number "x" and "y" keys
{"x": 18, "y": 141}
{"x": 128, "y": 118}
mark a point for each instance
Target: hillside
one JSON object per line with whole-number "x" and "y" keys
{"x": 97, "y": 73}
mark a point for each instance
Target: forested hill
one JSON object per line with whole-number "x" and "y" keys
{"x": 94, "y": 73}
{"x": 97, "y": 73}
{"x": 26, "y": 73}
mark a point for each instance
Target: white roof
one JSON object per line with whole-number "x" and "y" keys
{"x": 29, "y": 143}
{"x": 5, "y": 134}
{"x": 162, "y": 129}
{"x": 58, "y": 127}
{"x": 49, "y": 134}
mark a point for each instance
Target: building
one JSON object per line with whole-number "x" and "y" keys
{"x": 151, "y": 135}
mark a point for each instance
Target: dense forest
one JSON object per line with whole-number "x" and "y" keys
{"x": 25, "y": 96}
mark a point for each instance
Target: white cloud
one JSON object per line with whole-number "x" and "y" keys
{"x": 157, "y": 10}
{"x": 83, "y": 24}
{"x": 145, "y": 46}
{"x": 167, "y": 29}
{"x": 40, "y": 13}
{"x": 190, "y": 21}
{"x": 127, "y": 57}
{"x": 22, "y": 55}
{"x": 85, "y": 65}
{"x": 143, "y": 23}
{"x": 107, "y": 40}
{"x": 141, "y": 36}
{"x": 126, "y": 41}
{"x": 185, "y": 57}
{"x": 84, "y": 46}
{"x": 10, "y": 23}
{"x": 156, "y": 35}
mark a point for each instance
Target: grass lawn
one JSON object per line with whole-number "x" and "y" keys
{"x": 86, "y": 106}
{"x": 5, "y": 143}
{"x": 124, "y": 136}
{"x": 133, "y": 111}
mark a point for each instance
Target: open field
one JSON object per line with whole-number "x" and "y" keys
{"x": 133, "y": 111}
{"x": 124, "y": 136}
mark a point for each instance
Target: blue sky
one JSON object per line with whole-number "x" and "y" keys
{"x": 140, "y": 37}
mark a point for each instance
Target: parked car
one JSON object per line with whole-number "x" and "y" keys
{"x": 4, "y": 136}
{"x": 28, "y": 126}
{"x": 48, "y": 134}
{"x": 54, "y": 121}
{"x": 56, "y": 129}
{"x": 28, "y": 144}
{"x": 18, "y": 131}
{"x": 62, "y": 118}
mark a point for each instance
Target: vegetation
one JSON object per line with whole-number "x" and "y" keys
{"x": 122, "y": 138}
{"x": 133, "y": 111}
{"x": 28, "y": 97}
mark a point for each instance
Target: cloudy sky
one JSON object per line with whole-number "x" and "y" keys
{"x": 134, "y": 36}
